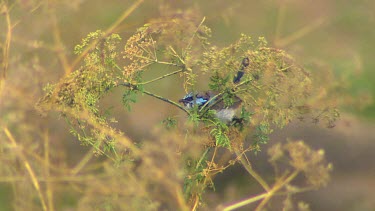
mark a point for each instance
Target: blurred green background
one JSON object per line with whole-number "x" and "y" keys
{"x": 337, "y": 35}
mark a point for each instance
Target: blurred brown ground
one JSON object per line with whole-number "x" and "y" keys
{"x": 336, "y": 34}
{"x": 349, "y": 147}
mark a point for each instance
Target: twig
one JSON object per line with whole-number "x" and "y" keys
{"x": 202, "y": 158}
{"x": 57, "y": 39}
{"x": 253, "y": 173}
{"x": 196, "y": 202}
{"x": 135, "y": 87}
{"x": 86, "y": 158}
{"x": 161, "y": 77}
{"x": 308, "y": 28}
{"x": 265, "y": 196}
{"x": 85, "y": 116}
{"x": 124, "y": 15}
{"x": 49, "y": 191}
{"x": 96, "y": 147}
{"x": 275, "y": 188}
{"x": 28, "y": 168}
{"x": 280, "y": 20}
{"x": 180, "y": 199}
{"x": 245, "y": 202}
{"x": 192, "y": 37}
{"x": 208, "y": 102}
{"x": 6, "y": 47}
{"x": 176, "y": 55}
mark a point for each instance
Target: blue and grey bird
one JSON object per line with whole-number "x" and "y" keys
{"x": 200, "y": 99}
{"x": 211, "y": 100}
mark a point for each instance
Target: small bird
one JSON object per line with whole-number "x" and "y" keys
{"x": 200, "y": 99}
{"x": 205, "y": 99}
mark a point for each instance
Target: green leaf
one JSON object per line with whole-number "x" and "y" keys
{"x": 170, "y": 123}
{"x": 219, "y": 132}
{"x": 261, "y": 134}
{"x": 217, "y": 82}
{"x": 130, "y": 96}
{"x": 246, "y": 115}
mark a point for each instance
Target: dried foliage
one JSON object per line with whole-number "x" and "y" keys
{"x": 174, "y": 169}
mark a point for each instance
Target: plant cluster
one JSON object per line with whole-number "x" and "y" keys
{"x": 181, "y": 163}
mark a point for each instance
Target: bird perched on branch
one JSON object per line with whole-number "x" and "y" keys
{"x": 212, "y": 100}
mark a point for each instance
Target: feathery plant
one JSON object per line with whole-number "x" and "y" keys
{"x": 274, "y": 90}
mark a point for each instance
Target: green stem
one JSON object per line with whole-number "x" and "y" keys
{"x": 265, "y": 196}
{"x": 176, "y": 55}
{"x": 84, "y": 135}
{"x": 135, "y": 87}
{"x": 208, "y": 102}
{"x": 161, "y": 77}
{"x": 195, "y": 33}
{"x": 245, "y": 202}
{"x": 166, "y": 63}
{"x": 202, "y": 158}
{"x": 275, "y": 188}
{"x": 253, "y": 173}
{"x": 165, "y": 100}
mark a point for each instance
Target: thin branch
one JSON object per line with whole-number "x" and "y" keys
{"x": 196, "y": 203}
{"x": 197, "y": 198}
{"x": 202, "y": 158}
{"x": 166, "y": 100}
{"x": 192, "y": 37}
{"x": 28, "y": 168}
{"x": 148, "y": 52}
{"x": 150, "y": 60}
{"x": 6, "y": 47}
{"x": 245, "y": 202}
{"x": 124, "y": 15}
{"x": 176, "y": 55}
{"x": 96, "y": 147}
{"x": 253, "y": 173}
{"x": 214, "y": 154}
{"x": 57, "y": 39}
{"x": 280, "y": 20}
{"x": 265, "y": 196}
{"x": 180, "y": 198}
{"x": 161, "y": 77}
{"x": 275, "y": 188}
{"x": 208, "y": 102}
{"x": 167, "y": 63}
{"x": 108, "y": 131}
{"x": 245, "y": 82}
{"x": 25, "y": 15}
{"x": 54, "y": 179}
{"x": 307, "y": 29}
{"x": 82, "y": 163}
{"x": 153, "y": 44}
{"x": 110, "y": 29}
{"x": 207, "y": 105}
{"x": 135, "y": 87}
{"x": 49, "y": 187}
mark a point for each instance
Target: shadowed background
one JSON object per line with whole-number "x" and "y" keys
{"x": 336, "y": 35}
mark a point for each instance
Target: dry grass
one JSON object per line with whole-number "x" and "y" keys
{"x": 45, "y": 167}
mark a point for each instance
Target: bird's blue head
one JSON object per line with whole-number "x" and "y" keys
{"x": 224, "y": 113}
{"x": 191, "y": 99}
